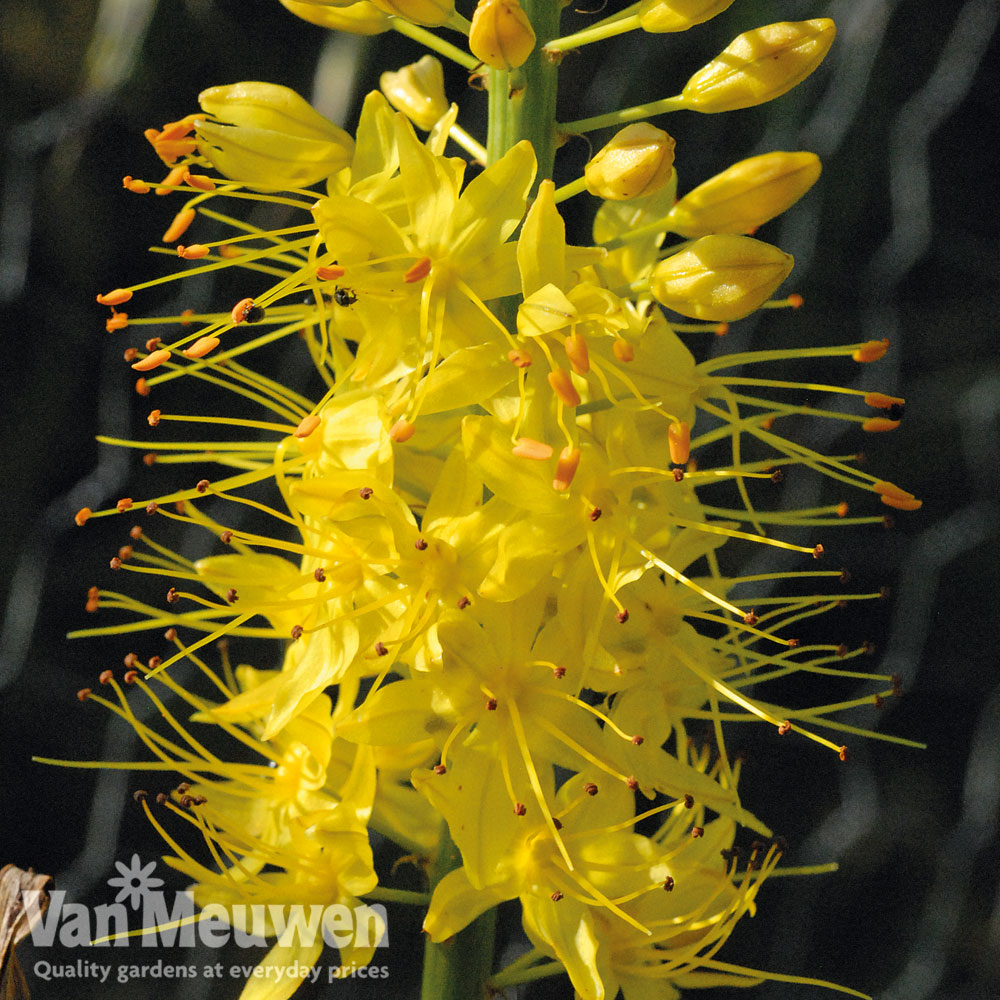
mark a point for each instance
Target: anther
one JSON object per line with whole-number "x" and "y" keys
{"x": 794, "y": 643}
{"x": 307, "y": 425}
{"x": 576, "y": 351}
{"x": 82, "y": 516}
{"x": 440, "y": 769}
{"x": 344, "y": 297}
{"x": 795, "y": 300}
{"x": 231, "y": 596}
{"x": 777, "y": 476}
{"x": 200, "y": 181}
{"x": 590, "y": 788}
{"x": 194, "y": 252}
{"x": 462, "y": 603}
{"x": 171, "y": 634}
{"x": 130, "y": 353}
{"x": 118, "y": 321}
{"x": 569, "y": 462}
{"x": 83, "y": 694}
{"x": 897, "y": 685}
{"x": 402, "y": 430}
{"x": 880, "y": 401}
{"x": 595, "y": 513}
{"x": 679, "y": 442}
{"x": 901, "y": 503}
{"x": 519, "y": 358}
{"x": 418, "y": 271}
{"x": 226, "y": 537}
{"x": 93, "y": 597}
{"x": 240, "y": 310}
{"x": 154, "y": 418}
{"x": 558, "y": 673}
{"x": 125, "y": 553}
{"x": 678, "y": 474}
{"x": 870, "y": 350}
{"x": 785, "y": 727}
{"x": 750, "y": 618}
{"x": 139, "y": 794}
{"x": 818, "y": 552}
{"x": 116, "y": 297}
{"x": 721, "y": 329}
{"x": 883, "y": 593}
{"x": 149, "y": 458}
{"x": 697, "y": 831}
{"x": 877, "y": 425}
{"x": 202, "y": 485}
{"x": 366, "y": 492}
{"x": 142, "y": 387}
{"x": 622, "y": 616}
{"x": 201, "y": 347}
{"x": 115, "y": 563}
{"x": 297, "y": 631}
{"x": 130, "y": 660}
{"x": 106, "y": 677}
{"x": 623, "y": 351}
{"x": 668, "y": 883}
{"x": 380, "y": 649}
{"x": 868, "y": 647}
{"x": 186, "y": 315}
{"x": 172, "y": 596}
{"x": 183, "y": 787}
{"x": 842, "y": 650}
{"x": 130, "y": 676}
{"x": 148, "y": 363}
{"x": 842, "y": 753}
{"x": 878, "y": 701}
{"x": 319, "y": 575}
{"x": 632, "y": 783}
{"x": 329, "y": 272}
{"x": 154, "y": 662}
{"x": 136, "y": 187}
{"x": 562, "y": 385}
{"x": 180, "y": 225}
{"x": 537, "y": 451}
{"x": 637, "y": 741}
{"x": 187, "y": 801}
{"x": 420, "y": 544}
{"x": 491, "y": 704}
{"x": 688, "y": 800}
{"x": 162, "y": 798}
{"x": 556, "y": 896}
{"x": 520, "y": 809}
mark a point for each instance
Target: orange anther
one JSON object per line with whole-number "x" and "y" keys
{"x": 177, "y": 228}
{"x": 562, "y": 386}
{"x": 118, "y": 321}
{"x": 882, "y": 488}
{"x": 569, "y": 461}
{"x": 136, "y": 187}
{"x": 173, "y": 180}
{"x": 330, "y": 272}
{"x": 402, "y": 430}
{"x": 240, "y": 311}
{"x": 519, "y": 358}
{"x": 842, "y": 509}
{"x": 538, "y": 451}
{"x": 194, "y": 252}
{"x": 576, "y": 351}
{"x": 82, "y": 516}
{"x": 877, "y": 424}
{"x": 419, "y": 271}
{"x": 141, "y": 387}
{"x": 154, "y": 418}
{"x": 151, "y": 134}
{"x": 623, "y": 350}
{"x": 721, "y": 329}
{"x": 228, "y": 251}
{"x": 883, "y": 402}
{"x": 201, "y": 347}
{"x": 795, "y": 300}
{"x": 186, "y": 317}
{"x": 679, "y": 442}
{"x": 114, "y": 298}
{"x": 175, "y": 130}
{"x": 307, "y": 425}
{"x": 124, "y": 504}
{"x": 901, "y": 503}
{"x": 871, "y": 350}
{"x": 200, "y": 181}
{"x": 151, "y": 361}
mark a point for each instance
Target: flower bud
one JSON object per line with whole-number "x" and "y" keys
{"x": 678, "y": 15}
{"x": 759, "y": 65}
{"x": 501, "y": 34}
{"x": 720, "y": 278}
{"x": 638, "y": 161}
{"x": 430, "y": 13}
{"x": 746, "y": 195}
{"x": 418, "y": 91}
{"x": 270, "y": 137}
{"x": 361, "y": 18}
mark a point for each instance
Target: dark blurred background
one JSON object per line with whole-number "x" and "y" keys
{"x": 898, "y": 240}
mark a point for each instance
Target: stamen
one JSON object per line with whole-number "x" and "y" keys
{"x": 115, "y": 298}
{"x": 150, "y": 362}
{"x": 879, "y": 424}
{"x": 679, "y": 442}
{"x": 180, "y": 225}
{"x": 538, "y": 451}
{"x": 194, "y": 252}
{"x": 569, "y": 460}
{"x": 871, "y": 350}
{"x": 201, "y": 347}
{"x": 562, "y": 386}
{"x": 418, "y": 271}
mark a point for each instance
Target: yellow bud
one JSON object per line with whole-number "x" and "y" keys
{"x": 418, "y": 91}
{"x": 361, "y": 18}
{"x": 501, "y": 34}
{"x": 637, "y": 162}
{"x": 760, "y": 65}
{"x": 720, "y": 278}
{"x": 678, "y": 15}
{"x": 746, "y": 195}
{"x": 430, "y": 13}
{"x": 268, "y": 136}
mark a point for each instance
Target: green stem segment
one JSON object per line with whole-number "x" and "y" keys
{"x": 458, "y": 969}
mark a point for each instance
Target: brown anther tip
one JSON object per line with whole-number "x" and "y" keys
{"x": 637, "y": 741}
{"x": 124, "y": 504}
{"x": 520, "y": 809}
{"x": 365, "y": 492}
{"x": 142, "y": 387}
{"x": 139, "y": 794}
{"x": 841, "y": 603}
{"x": 161, "y": 798}
{"x": 125, "y": 553}
{"x": 152, "y": 507}
{"x": 231, "y": 596}
{"x": 226, "y": 537}
{"x": 878, "y": 701}
{"x": 845, "y": 575}
{"x": 721, "y": 329}
{"x": 82, "y": 516}
{"x": 557, "y": 823}
{"x": 888, "y": 522}
{"x": 842, "y": 650}
{"x": 150, "y": 458}
{"x": 818, "y": 552}
{"x": 380, "y": 649}
{"x": 297, "y": 631}
{"x": 153, "y": 343}
{"x": 632, "y": 783}
{"x": 785, "y": 727}
{"x": 171, "y": 634}
{"x": 154, "y": 662}
{"x": 590, "y": 788}
{"x": 668, "y": 883}
{"x": 106, "y": 677}
{"x": 558, "y": 673}
{"x": 842, "y": 753}
{"x": 130, "y": 660}
{"x": 187, "y": 801}
{"x": 420, "y": 544}
{"x": 172, "y": 596}
{"x": 622, "y": 616}
{"x": 897, "y": 685}
{"x": 491, "y": 704}
{"x": 697, "y": 831}
{"x": 130, "y": 676}
{"x": 83, "y": 694}
{"x": 750, "y": 618}
{"x": 688, "y": 800}
{"x": 883, "y": 593}
{"x": 462, "y": 603}
{"x": 439, "y": 769}
{"x": 115, "y": 563}
{"x": 794, "y": 643}
{"x": 556, "y": 896}
{"x": 868, "y": 647}
{"x": 183, "y": 787}
{"x": 595, "y": 513}
{"x": 135, "y": 532}
{"x": 777, "y": 476}
{"x": 202, "y": 485}
{"x": 319, "y": 575}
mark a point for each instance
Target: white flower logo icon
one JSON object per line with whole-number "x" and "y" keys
{"x": 135, "y": 881}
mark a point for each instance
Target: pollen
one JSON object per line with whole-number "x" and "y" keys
{"x": 149, "y": 362}
{"x": 115, "y": 298}
{"x": 418, "y": 271}
{"x": 871, "y": 350}
{"x": 201, "y": 347}
{"x": 877, "y": 425}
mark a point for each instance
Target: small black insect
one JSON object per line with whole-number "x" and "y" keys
{"x": 253, "y": 314}
{"x": 344, "y": 297}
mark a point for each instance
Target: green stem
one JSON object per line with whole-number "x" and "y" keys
{"x": 597, "y": 33}
{"x": 431, "y": 41}
{"x": 625, "y": 116}
{"x": 457, "y": 969}
{"x": 383, "y": 894}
